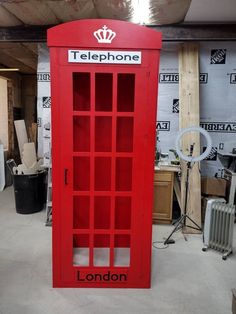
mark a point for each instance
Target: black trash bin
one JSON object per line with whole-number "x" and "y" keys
{"x": 30, "y": 192}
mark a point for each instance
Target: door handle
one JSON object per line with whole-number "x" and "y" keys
{"x": 65, "y": 176}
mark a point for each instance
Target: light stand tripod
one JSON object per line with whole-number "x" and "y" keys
{"x": 181, "y": 223}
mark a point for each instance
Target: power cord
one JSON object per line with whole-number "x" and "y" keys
{"x": 165, "y": 246}
{"x": 160, "y": 247}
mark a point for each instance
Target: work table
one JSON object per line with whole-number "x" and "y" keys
{"x": 167, "y": 168}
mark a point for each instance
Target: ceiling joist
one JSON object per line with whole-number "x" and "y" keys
{"x": 20, "y": 53}
{"x": 198, "y": 32}
{"x": 180, "y": 32}
{"x": 10, "y": 62}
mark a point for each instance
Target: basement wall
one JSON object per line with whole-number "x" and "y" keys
{"x": 217, "y": 99}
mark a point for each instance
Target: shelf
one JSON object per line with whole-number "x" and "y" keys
{"x": 122, "y": 212}
{"x": 103, "y": 134}
{"x": 125, "y": 92}
{"x": 102, "y": 174}
{"x": 101, "y": 257}
{"x": 103, "y": 113}
{"x": 124, "y": 134}
{"x": 81, "y": 212}
{"x": 123, "y": 174}
{"x": 103, "y": 154}
{"x": 102, "y": 212}
{"x": 103, "y": 91}
{"x": 82, "y": 173}
{"x": 104, "y": 193}
{"x": 101, "y": 231}
{"x": 81, "y": 134}
{"x": 81, "y": 88}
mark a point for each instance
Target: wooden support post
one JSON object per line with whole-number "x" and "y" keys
{"x": 189, "y": 116}
{"x": 10, "y": 99}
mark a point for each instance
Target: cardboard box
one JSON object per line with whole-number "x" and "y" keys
{"x": 213, "y": 186}
{"x": 234, "y": 301}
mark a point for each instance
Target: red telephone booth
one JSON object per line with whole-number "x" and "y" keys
{"x": 104, "y": 101}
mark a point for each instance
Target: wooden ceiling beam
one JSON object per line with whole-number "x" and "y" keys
{"x": 20, "y": 53}
{"x": 31, "y": 12}
{"x": 24, "y": 33}
{"x": 9, "y": 62}
{"x": 179, "y": 32}
{"x": 7, "y": 18}
{"x": 198, "y": 32}
{"x": 32, "y": 47}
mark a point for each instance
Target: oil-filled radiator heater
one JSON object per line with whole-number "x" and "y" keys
{"x": 218, "y": 227}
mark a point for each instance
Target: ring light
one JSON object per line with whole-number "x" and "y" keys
{"x": 197, "y": 158}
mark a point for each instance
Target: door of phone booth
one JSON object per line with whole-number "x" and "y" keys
{"x": 104, "y": 102}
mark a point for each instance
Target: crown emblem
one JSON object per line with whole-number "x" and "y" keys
{"x": 104, "y": 35}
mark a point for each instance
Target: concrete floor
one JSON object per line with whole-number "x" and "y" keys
{"x": 185, "y": 280}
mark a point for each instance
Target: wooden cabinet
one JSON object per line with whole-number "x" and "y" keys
{"x": 163, "y": 196}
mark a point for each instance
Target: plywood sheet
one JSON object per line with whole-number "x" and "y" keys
{"x": 31, "y": 12}
{"x": 20, "y": 53}
{"x": 11, "y": 62}
{"x": 8, "y": 19}
{"x": 21, "y": 134}
{"x": 2, "y": 168}
{"x": 73, "y": 10}
{"x": 34, "y": 131}
{"x": 3, "y": 113}
{"x": 10, "y": 99}
{"x": 33, "y": 47}
{"x": 29, "y": 155}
